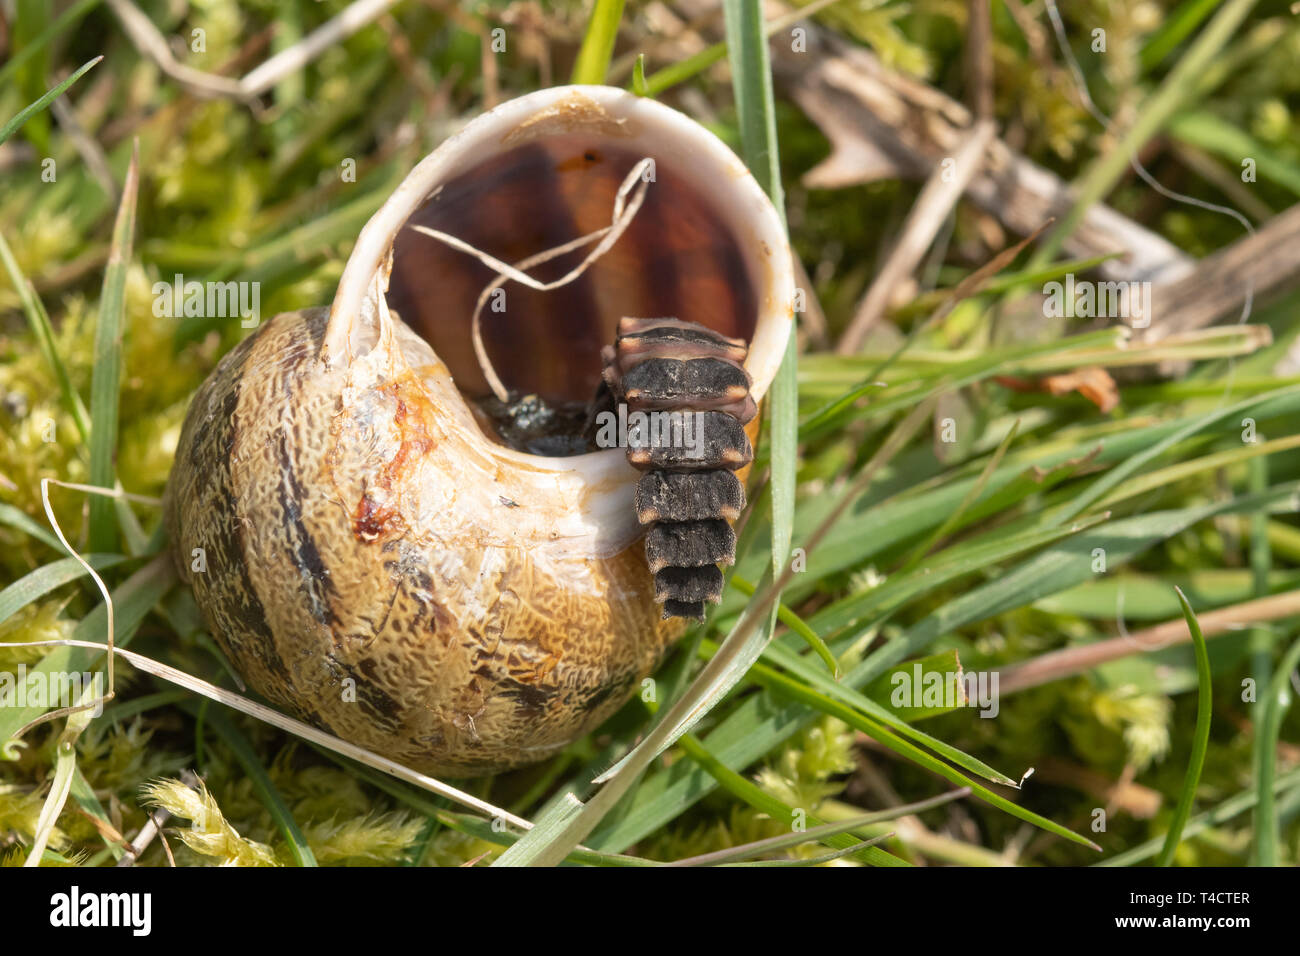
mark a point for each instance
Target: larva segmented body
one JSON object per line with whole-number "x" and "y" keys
{"x": 692, "y": 384}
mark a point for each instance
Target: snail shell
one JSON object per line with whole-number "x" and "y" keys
{"x": 689, "y": 493}
{"x": 373, "y": 560}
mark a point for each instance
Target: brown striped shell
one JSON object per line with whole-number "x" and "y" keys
{"x": 329, "y": 596}
{"x": 371, "y": 559}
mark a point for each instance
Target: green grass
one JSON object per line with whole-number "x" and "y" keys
{"x": 592, "y": 62}
{"x": 35, "y": 109}
{"x": 977, "y": 555}
{"x": 1200, "y": 737}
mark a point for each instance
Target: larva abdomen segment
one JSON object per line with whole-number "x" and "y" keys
{"x": 690, "y": 544}
{"x": 688, "y": 584}
{"x": 685, "y": 383}
{"x": 684, "y": 342}
{"x": 693, "y": 609}
{"x": 688, "y": 496}
{"x": 692, "y": 441}
{"x": 691, "y": 385}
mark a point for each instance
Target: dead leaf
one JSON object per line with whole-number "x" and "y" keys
{"x": 1092, "y": 382}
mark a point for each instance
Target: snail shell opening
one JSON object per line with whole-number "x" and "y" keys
{"x": 377, "y": 562}
{"x": 706, "y": 246}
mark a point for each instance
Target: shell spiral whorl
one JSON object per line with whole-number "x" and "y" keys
{"x": 365, "y": 571}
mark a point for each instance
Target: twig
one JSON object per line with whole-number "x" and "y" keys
{"x": 87, "y": 147}
{"x": 882, "y": 124}
{"x": 152, "y": 45}
{"x": 167, "y": 848}
{"x": 293, "y": 58}
{"x": 1075, "y": 660}
{"x": 979, "y": 58}
{"x": 937, "y": 199}
{"x": 1268, "y": 262}
{"x": 151, "y": 829}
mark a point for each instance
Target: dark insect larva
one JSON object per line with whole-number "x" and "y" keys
{"x": 692, "y": 389}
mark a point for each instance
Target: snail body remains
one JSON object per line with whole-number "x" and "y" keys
{"x": 372, "y": 557}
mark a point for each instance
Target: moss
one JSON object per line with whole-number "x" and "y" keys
{"x": 20, "y": 808}
{"x": 209, "y": 834}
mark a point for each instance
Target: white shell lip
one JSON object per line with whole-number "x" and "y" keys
{"x": 638, "y": 124}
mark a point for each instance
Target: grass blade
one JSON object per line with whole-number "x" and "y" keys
{"x": 638, "y": 76}
{"x": 866, "y": 845}
{"x": 25, "y": 114}
{"x": 133, "y": 599}
{"x": 926, "y": 302}
{"x": 17, "y": 518}
{"x": 1259, "y": 642}
{"x": 751, "y": 81}
{"x": 106, "y": 381}
{"x": 683, "y": 70}
{"x": 84, "y": 794}
{"x": 950, "y": 564}
{"x": 549, "y": 826}
{"x": 967, "y": 288}
{"x": 1176, "y": 28}
{"x": 1276, "y": 705}
{"x": 1287, "y": 786}
{"x": 972, "y": 496}
{"x": 796, "y": 624}
{"x": 39, "y": 323}
{"x": 598, "y": 45}
{"x": 257, "y": 776}
{"x": 1217, "y": 135}
{"x": 760, "y": 799}
{"x": 43, "y": 332}
{"x": 875, "y": 713}
{"x": 39, "y": 42}
{"x": 1200, "y": 737}
{"x": 1150, "y": 117}
{"x": 65, "y": 769}
{"x": 827, "y": 416}
{"x": 1054, "y": 569}
{"x": 46, "y": 578}
{"x": 775, "y": 844}
{"x": 792, "y": 688}
{"x": 1106, "y": 482}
